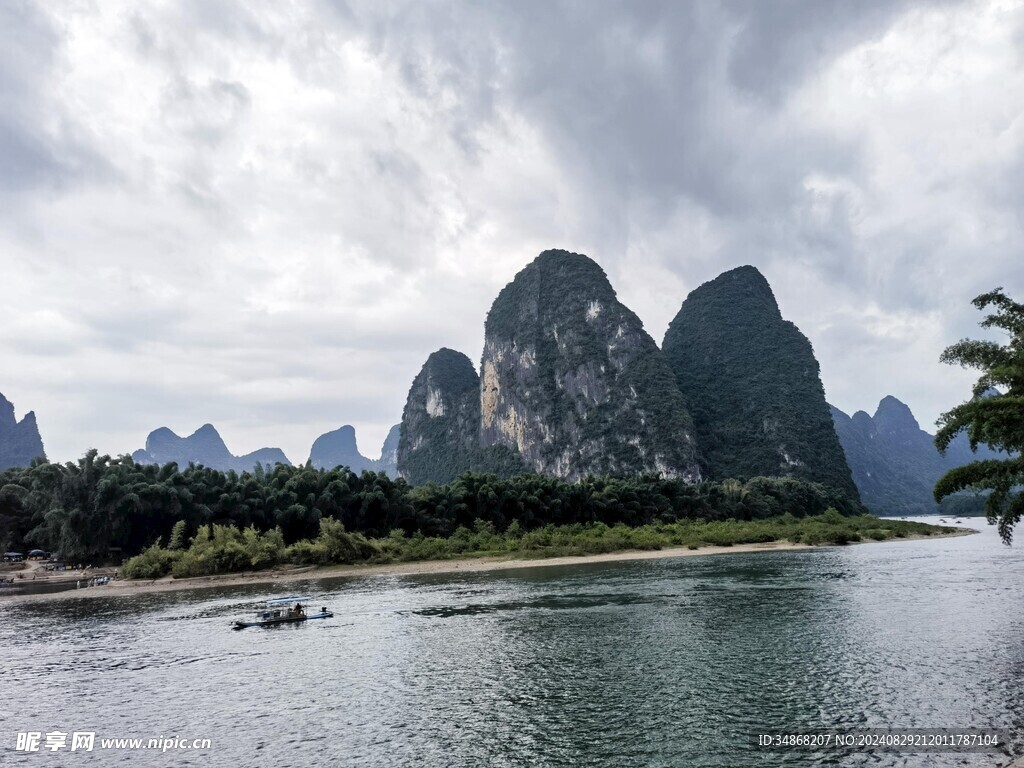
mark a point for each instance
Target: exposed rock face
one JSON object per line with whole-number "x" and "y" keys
{"x": 20, "y": 442}
{"x": 338, "y": 449}
{"x": 205, "y": 447}
{"x": 752, "y": 383}
{"x": 388, "y": 462}
{"x": 573, "y": 383}
{"x": 895, "y": 463}
{"x": 440, "y": 427}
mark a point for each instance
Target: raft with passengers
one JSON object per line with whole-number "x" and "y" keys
{"x": 284, "y": 610}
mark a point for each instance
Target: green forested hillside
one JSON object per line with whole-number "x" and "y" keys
{"x": 752, "y": 383}
{"x": 440, "y": 430}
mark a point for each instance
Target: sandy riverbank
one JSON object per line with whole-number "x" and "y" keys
{"x": 463, "y": 565}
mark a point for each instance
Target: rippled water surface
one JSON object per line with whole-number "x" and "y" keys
{"x": 660, "y": 662}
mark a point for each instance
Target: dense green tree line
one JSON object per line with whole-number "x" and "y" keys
{"x": 87, "y": 509}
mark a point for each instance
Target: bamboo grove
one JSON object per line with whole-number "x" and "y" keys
{"x": 102, "y": 509}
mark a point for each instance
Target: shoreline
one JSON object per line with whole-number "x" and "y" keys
{"x": 127, "y": 588}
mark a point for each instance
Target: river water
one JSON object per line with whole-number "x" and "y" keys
{"x": 672, "y": 662}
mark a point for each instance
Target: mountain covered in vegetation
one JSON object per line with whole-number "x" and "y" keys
{"x": 439, "y": 437}
{"x": 752, "y": 383}
{"x": 895, "y": 463}
{"x": 338, "y": 449}
{"x": 20, "y": 442}
{"x": 203, "y": 447}
{"x": 573, "y": 383}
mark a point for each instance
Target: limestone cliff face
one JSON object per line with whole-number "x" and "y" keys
{"x": 388, "y": 462}
{"x": 572, "y": 382}
{"x": 20, "y": 442}
{"x": 439, "y": 437}
{"x": 753, "y": 385}
{"x": 441, "y": 419}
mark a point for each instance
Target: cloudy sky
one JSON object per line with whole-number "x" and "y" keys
{"x": 267, "y": 215}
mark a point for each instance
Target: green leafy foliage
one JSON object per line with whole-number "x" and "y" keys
{"x": 152, "y": 563}
{"x": 994, "y": 416}
{"x": 87, "y": 510}
{"x": 334, "y": 545}
{"x": 100, "y": 506}
{"x": 178, "y": 533}
{"x": 224, "y": 550}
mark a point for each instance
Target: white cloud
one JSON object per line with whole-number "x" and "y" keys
{"x": 267, "y": 219}
{"x": 935, "y": 105}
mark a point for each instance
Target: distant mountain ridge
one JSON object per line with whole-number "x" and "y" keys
{"x": 206, "y": 447}
{"x": 339, "y": 449}
{"x": 894, "y": 462}
{"x": 20, "y": 442}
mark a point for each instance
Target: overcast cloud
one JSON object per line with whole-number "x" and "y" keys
{"x": 266, "y": 217}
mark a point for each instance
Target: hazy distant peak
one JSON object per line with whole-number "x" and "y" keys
{"x": 20, "y": 442}
{"x": 893, "y": 415}
{"x": 863, "y": 421}
{"x": 891, "y": 401}
{"x": 895, "y": 463}
{"x": 205, "y": 446}
{"x": 342, "y": 440}
{"x": 161, "y": 436}
{"x": 338, "y": 448}
{"x": 7, "y": 418}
